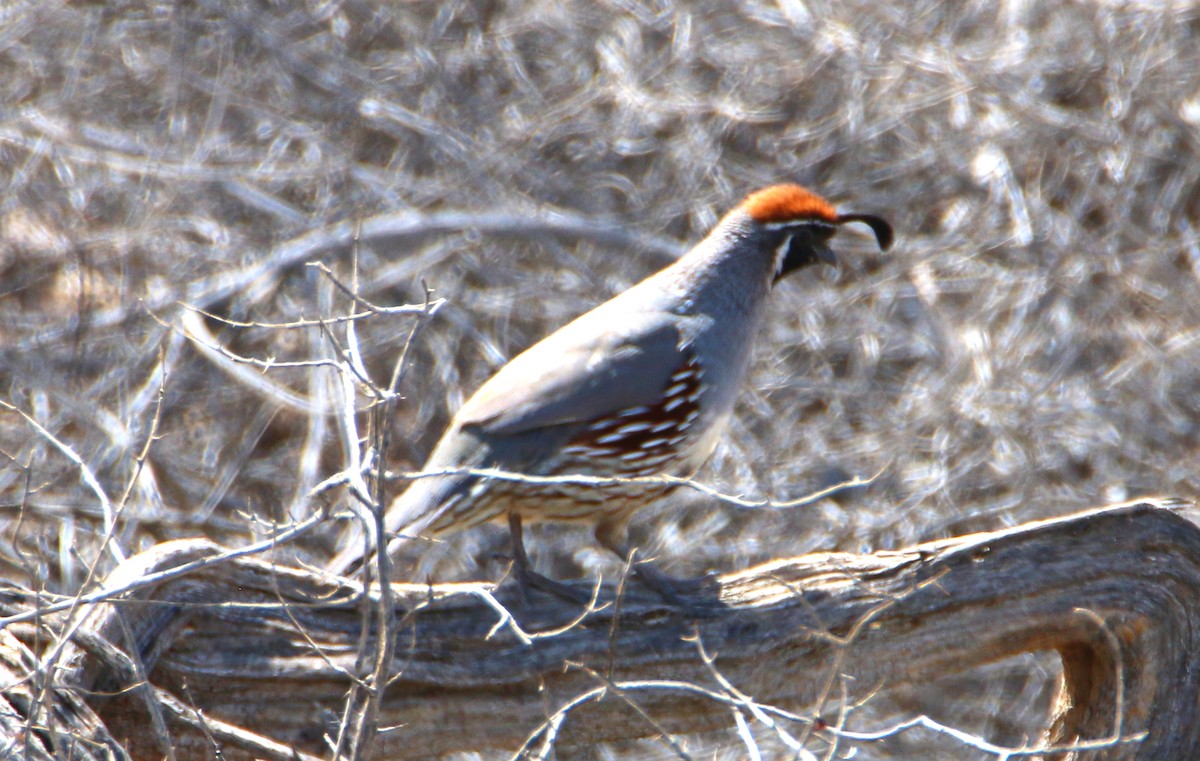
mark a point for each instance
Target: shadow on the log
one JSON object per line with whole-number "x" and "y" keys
{"x": 258, "y": 659}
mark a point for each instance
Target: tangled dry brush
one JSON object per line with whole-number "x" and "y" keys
{"x": 1030, "y": 347}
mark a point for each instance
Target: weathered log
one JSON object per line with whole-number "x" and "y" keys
{"x": 267, "y": 652}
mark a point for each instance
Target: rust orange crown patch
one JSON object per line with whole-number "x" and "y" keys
{"x": 788, "y": 203}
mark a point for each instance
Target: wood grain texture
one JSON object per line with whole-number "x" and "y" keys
{"x": 267, "y": 651}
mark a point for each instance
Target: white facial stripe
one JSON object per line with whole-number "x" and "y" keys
{"x": 781, "y": 254}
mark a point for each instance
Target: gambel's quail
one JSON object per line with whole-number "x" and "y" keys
{"x": 642, "y": 385}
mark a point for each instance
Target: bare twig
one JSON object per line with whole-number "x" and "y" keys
{"x": 661, "y": 480}
{"x": 85, "y": 474}
{"x": 107, "y": 594}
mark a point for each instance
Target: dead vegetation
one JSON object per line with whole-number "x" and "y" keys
{"x": 1030, "y": 347}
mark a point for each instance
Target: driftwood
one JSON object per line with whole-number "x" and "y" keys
{"x": 257, "y": 659}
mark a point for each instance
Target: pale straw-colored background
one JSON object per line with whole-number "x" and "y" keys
{"x": 1030, "y": 347}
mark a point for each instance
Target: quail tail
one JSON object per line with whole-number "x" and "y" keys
{"x": 407, "y": 517}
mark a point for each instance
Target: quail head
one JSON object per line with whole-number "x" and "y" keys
{"x": 642, "y": 385}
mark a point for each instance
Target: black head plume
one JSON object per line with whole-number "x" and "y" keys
{"x": 878, "y": 225}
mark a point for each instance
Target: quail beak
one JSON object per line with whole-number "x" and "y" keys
{"x": 825, "y": 254}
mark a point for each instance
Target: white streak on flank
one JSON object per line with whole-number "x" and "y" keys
{"x": 683, "y": 375}
{"x": 663, "y": 426}
{"x": 676, "y": 390}
{"x": 676, "y": 440}
{"x": 610, "y": 438}
{"x": 691, "y": 417}
{"x": 673, "y": 404}
{"x": 633, "y": 427}
{"x": 592, "y": 451}
{"x": 658, "y": 459}
{"x": 633, "y": 455}
{"x": 652, "y": 443}
{"x": 633, "y": 411}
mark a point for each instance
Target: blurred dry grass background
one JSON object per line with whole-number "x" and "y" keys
{"x": 1029, "y": 348}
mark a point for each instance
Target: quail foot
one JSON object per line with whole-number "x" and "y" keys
{"x": 641, "y": 386}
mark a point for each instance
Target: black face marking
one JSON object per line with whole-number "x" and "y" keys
{"x": 801, "y": 245}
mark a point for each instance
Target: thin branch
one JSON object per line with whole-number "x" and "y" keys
{"x": 978, "y": 743}
{"x": 230, "y": 734}
{"x": 85, "y": 474}
{"x": 198, "y": 333}
{"x": 302, "y": 324}
{"x": 742, "y": 699}
{"x": 108, "y": 594}
{"x": 660, "y": 480}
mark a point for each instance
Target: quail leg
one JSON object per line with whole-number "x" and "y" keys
{"x": 612, "y": 535}
{"x": 531, "y": 578}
